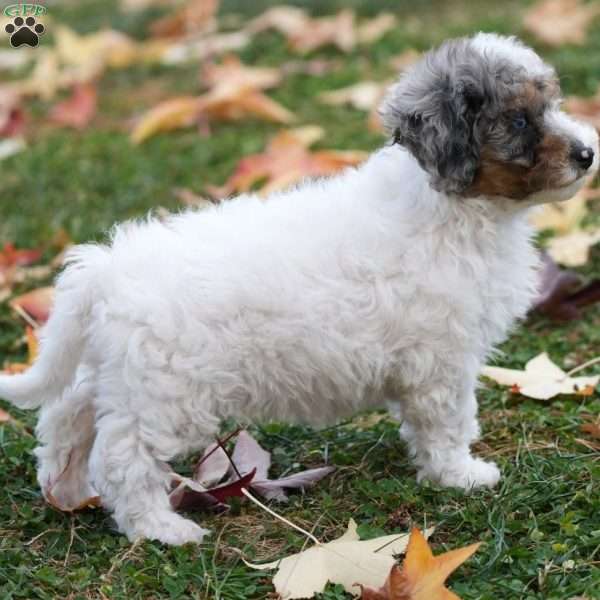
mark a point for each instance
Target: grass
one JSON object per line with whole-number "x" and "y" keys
{"x": 541, "y": 527}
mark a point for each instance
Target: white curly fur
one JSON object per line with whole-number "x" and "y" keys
{"x": 337, "y": 296}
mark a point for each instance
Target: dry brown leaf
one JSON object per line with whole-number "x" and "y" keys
{"x": 304, "y": 33}
{"x": 206, "y": 46}
{"x": 71, "y": 490}
{"x": 592, "y": 429}
{"x": 422, "y": 575}
{"x": 364, "y": 95}
{"x": 286, "y": 160}
{"x": 346, "y": 561}
{"x": 337, "y": 30}
{"x": 572, "y": 246}
{"x": 234, "y": 94}
{"x": 541, "y": 379}
{"x": 563, "y": 217}
{"x": 573, "y": 249}
{"x": 587, "y": 109}
{"x": 557, "y": 22}
{"x": 193, "y": 17}
{"x": 171, "y": 114}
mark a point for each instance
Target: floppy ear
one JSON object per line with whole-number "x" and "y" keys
{"x": 433, "y": 110}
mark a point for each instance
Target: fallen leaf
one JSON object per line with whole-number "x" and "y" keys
{"x": 34, "y": 306}
{"x": 563, "y": 217}
{"x": 12, "y": 116}
{"x": 78, "y": 110}
{"x": 364, "y": 95}
{"x": 592, "y": 429}
{"x": 189, "y": 495}
{"x": 562, "y": 293}
{"x": 305, "y": 34}
{"x": 249, "y": 457}
{"x": 193, "y": 49}
{"x": 193, "y": 17}
{"x": 372, "y": 30}
{"x": 573, "y": 249}
{"x": 422, "y": 575}
{"x": 346, "y": 561}
{"x": 337, "y": 30}
{"x": 11, "y": 257}
{"x": 286, "y": 160}
{"x": 558, "y": 22}
{"x": 171, "y": 114}
{"x": 11, "y": 146}
{"x": 541, "y": 379}
{"x": 71, "y": 491}
{"x": 234, "y": 94}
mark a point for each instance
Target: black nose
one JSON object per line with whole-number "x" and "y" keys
{"x": 583, "y": 156}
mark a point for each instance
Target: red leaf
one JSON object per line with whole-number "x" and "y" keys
{"x": 184, "y": 498}
{"x": 11, "y": 257}
{"x": 78, "y": 110}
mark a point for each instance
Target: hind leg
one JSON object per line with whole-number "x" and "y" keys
{"x": 132, "y": 477}
{"x": 66, "y": 431}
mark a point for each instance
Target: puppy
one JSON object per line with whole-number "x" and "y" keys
{"x": 389, "y": 284}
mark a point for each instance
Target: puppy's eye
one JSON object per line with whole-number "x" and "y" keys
{"x": 520, "y": 122}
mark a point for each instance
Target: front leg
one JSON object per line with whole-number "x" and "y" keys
{"x": 439, "y": 425}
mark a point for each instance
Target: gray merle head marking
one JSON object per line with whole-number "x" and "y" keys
{"x": 477, "y": 123}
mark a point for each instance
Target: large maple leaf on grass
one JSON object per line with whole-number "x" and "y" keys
{"x": 422, "y": 575}
{"x": 287, "y": 160}
{"x": 347, "y": 561}
{"x": 542, "y": 379}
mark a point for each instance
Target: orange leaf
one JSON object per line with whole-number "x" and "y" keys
{"x": 285, "y": 161}
{"x": 422, "y": 575}
{"x": 78, "y": 110}
{"x": 193, "y": 17}
{"x": 166, "y": 116}
{"x": 32, "y": 353}
{"x": 592, "y": 429}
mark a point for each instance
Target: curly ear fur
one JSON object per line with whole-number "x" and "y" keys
{"x": 433, "y": 112}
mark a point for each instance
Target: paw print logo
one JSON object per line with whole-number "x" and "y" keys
{"x": 24, "y": 31}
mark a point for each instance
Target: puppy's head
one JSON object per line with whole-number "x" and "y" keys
{"x": 482, "y": 116}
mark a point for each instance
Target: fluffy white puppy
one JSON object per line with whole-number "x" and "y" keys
{"x": 389, "y": 283}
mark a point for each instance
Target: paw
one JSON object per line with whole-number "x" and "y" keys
{"x": 168, "y": 528}
{"x": 468, "y": 474}
{"x": 24, "y": 31}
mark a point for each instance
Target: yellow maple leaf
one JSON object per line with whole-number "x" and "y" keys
{"x": 422, "y": 575}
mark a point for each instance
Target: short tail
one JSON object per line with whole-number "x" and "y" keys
{"x": 62, "y": 338}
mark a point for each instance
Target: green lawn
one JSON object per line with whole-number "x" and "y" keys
{"x": 541, "y": 526}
